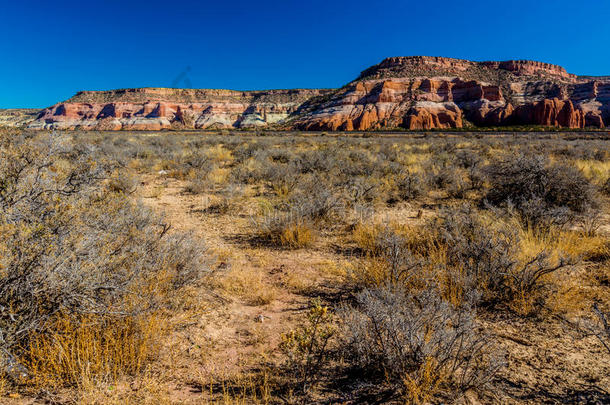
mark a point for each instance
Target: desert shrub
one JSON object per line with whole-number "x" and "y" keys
{"x": 543, "y": 193}
{"x": 466, "y": 158}
{"x": 198, "y": 185}
{"x": 293, "y": 223}
{"x": 478, "y": 255}
{"x": 121, "y": 182}
{"x": 390, "y": 259}
{"x": 590, "y": 222}
{"x": 471, "y": 162}
{"x": 246, "y": 150}
{"x": 288, "y": 228}
{"x": 281, "y": 155}
{"x": 315, "y": 199}
{"x": 419, "y": 343}
{"x": 197, "y": 167}
{"x": 446, "y": 147}
{"x": 468, "y": 253}
{"x": 74, "y": 251}
{"x": 282, "y": 178}
{"x": 361, "y": 190}
{"x": 199, "y": 161}
{"x": 409, "y": 186}
{"x": 442, "y": 174}
{"x": 485, "y": 257}
{"x": 226, "y": 200}
{"x": 316, "y": 161}
{"x": 357, "y": 162}
{"x": 364, "y": 234}
{"x": 297, "y": 234}
{"x": 252, "y": 171}
{"x": 307, "y": 347}
{"x": 458, "y": 186}
{"x": 218, "y": 154}
{"x": 275, "y": 168}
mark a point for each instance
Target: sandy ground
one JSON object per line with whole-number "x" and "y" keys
{"x": 548, "y": 361}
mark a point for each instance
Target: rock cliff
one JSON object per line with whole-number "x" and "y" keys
{"x": 432, "y": 92}
{"x": 17, "y": 117}
{"x": 400, "y": 92}
{"x": 161, "y": 108}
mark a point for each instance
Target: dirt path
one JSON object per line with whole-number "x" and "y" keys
{"x": 263, "y": 291}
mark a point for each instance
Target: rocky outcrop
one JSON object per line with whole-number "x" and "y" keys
{"x": 401, "y": 92}
{"x": 157, "y": 108}
{"x": 17, "y": 117}
{"x": 431, "y": 92}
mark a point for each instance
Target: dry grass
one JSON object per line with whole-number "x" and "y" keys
{"x": 297, "y": 235}
{"x": 242, "y": 389}
{"x": 422, "y": 387}
{"x": 597, "y": 171}
{"x": 219, "y": 176}
{"x": 250, "y": 284}
{"x": 220, "y": 155}
{"x": 92, "y": 350}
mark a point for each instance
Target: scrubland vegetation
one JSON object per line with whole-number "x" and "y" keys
{"x": 232, "y": 268}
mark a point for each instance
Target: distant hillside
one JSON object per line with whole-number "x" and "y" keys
{"x": 17, "y": 117}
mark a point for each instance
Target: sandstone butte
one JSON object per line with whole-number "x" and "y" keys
{"x": 400, "y": 92}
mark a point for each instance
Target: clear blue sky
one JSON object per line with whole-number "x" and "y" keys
{"x": 52, "y": 49}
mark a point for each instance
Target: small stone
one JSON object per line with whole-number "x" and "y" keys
{"x": 260, "y": 318}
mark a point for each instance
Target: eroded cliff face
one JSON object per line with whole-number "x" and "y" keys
{"x": 429, "y": 93}
{"x": 401, "y": 92}
{"x": 17, "y": 117}
{"x": 159, "y": 108}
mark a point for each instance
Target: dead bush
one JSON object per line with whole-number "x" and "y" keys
{"x": 89, "y": 348}
{"x": 543, "y": 193}
{"x": 419, "y": 343}
{"x": 442, "y": 174}
{"x": 409, "y": 186}
{"x": 74, "y": 250}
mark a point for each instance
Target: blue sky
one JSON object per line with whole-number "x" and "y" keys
{"x": 52, "y": 49}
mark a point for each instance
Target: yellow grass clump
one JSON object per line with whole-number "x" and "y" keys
{"x": 297, "y": 235}
{"x": 92, "y": 349}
